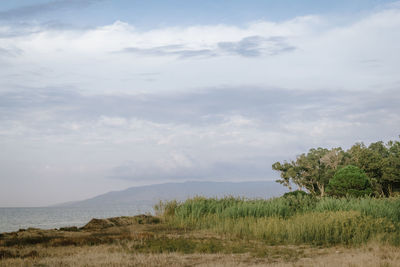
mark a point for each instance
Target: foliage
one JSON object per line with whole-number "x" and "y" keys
{"x": 381, "y": 163}
{"x": 349, "y": 181}
{"x": 314, "y": 170}
{"x": 311, "y": 171}
{"x": 295, "y": 193}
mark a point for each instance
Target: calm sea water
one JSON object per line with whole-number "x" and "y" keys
{"x": 13, "y": 219}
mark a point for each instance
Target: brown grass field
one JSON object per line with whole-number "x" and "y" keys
{"x": 147, "y": 241}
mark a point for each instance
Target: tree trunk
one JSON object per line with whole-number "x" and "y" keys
{"x": 321, "y": 188}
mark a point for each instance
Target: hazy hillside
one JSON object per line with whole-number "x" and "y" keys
{"x": 151, "y": 194}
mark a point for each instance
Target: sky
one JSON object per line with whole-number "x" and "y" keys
{"x": 101, "y": 95}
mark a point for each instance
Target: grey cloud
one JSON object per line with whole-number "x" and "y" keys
{"x": 347, "y": 117}
{"x": 18, "y": 29}
{"x": 370, "y": 61}
{"x": 55, "y": 25}
{"x": 36, "y": 9}
{"x": 256, "y": 168}
{"x": 252, "y": 46}
{"x": 198, "y": 108}
{"x": 17, "y": 26}
{"x": 170, "y": 50}
{"x": 248, "y": 47}
{"x": 17, "y": 32}
{"x": 10, "y": 52}
{"x": 255, "y": 46}
{"x": 148, "y": 74}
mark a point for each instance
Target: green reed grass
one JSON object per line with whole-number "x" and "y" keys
{"x": 313, "y": 228}
{"x": 231, "y": 207}
{"x": 377, "y": 208}
{"x": 293, "y": 219}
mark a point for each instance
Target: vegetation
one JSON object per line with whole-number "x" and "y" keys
{"x": 120, "y": 254}
{"x": 293, "y": 219}
{"x": 313, "y": 171}
{"x": 296, "y": 229}
{"x": 346, "y": 203}
{"x": 150, "y": 241}
{"x": 349, "y": 181}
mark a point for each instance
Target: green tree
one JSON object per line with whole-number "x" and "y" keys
{"x": 391, "y": 168}
{"x": 311, "y": 171}
{"x": 349, "y": 181}
{"x": 381, "y": 163}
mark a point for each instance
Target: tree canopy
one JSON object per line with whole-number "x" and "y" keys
{"x": 349, "y": 181}
{"x": 312, "y": 171}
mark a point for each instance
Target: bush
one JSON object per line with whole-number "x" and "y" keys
{"x": 349, "y": 181}
{"x": 295, "y": 193}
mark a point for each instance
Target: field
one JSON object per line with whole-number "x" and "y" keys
{"x": 288, "y": 231}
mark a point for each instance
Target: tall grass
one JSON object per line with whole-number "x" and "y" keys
{"x": 388, "y": 208}
{"x": 292, "y": 219}
{"x": 325, "y": 228}
{"x": 231, "y": 207}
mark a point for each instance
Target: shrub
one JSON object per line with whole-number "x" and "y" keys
{"x": 349, "y": 181}
{"x": 296, "y": 193}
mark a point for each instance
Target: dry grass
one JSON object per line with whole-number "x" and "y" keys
{"x": 114, "y": 255}
{"x": 143, "y": 243}
{"x": 372, "y": 255}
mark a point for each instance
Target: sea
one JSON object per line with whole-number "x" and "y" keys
{"x": 13, "y": 219}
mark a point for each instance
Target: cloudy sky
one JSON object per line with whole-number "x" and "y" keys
{"x": 103, "y": 95}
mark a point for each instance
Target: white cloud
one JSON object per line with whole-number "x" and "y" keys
{"x": 323, "y": 56}
{"x": 216, "y": 101}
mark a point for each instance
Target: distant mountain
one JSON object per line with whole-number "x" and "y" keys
{"x": 151, "y": 194}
